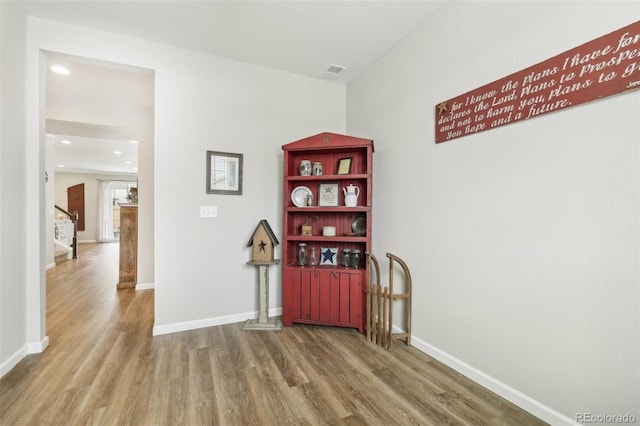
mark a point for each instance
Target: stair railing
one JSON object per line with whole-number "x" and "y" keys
{"x": 74, "y": 218}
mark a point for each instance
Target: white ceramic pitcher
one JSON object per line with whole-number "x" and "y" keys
{"x": 351, "y": 194}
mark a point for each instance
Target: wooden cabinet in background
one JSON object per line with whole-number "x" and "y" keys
{"x": 326, "y": 294}
{"x": 128, "y": 275}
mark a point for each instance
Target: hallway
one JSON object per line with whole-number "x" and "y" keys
{"x": 95, "y": 337}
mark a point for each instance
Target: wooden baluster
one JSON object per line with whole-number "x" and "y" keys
{"x": 367, "y": 293}
{"x": 383, "y": 321}
{"x": 380, "y": 319}
{"x": 75, "y": 234}
{"x": 390, "y": 324}
{"x": 374, "y": 315}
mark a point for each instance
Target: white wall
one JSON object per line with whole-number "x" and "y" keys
{"x": 13, "y": 251}
{"x": 523, "y": 241}
{"x": 202, "y": 103}
{"x": 206, "y": 103}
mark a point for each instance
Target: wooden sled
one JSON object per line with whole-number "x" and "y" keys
{"x": 379, "y": 321}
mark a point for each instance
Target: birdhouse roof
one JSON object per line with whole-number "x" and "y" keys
{"x": 264, "y": 224}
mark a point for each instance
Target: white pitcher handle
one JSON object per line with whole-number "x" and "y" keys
{"x": 357, "y": 191}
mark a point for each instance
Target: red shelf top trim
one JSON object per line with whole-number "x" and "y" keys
{"x": 328, "y": 140}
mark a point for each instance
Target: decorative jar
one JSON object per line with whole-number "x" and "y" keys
{"x": 305, "y": 168}
{"x": 346, "y": 258}
{"x": 355, "y": 259}
{"x": 302, "y": 254}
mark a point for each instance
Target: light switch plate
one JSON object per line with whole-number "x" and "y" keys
{"x": 208, "y": 211}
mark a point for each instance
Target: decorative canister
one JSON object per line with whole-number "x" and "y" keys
{"x": 317, "y": 169}
{"x": 309, "y": 200}
{"x": 355, "y": 259}
{"x": 305, "y": 168}
{"x": 346, "y": 258}
{"x": 329, "y": 231}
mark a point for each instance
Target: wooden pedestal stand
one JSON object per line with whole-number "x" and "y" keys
{"x": 263, "y": 322}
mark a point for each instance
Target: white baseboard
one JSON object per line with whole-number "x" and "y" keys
{"x": 13, "y": 360}
{"x": 523, "y": 401}
{"x": 50, "y": 266}
{"x": 17, "y": 356}
{"x": 145, "y": 286}
{"x": 209, "y": 322}
{"x": 38, "y": 347}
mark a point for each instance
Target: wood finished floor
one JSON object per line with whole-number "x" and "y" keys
{"x": 103, "y": 367}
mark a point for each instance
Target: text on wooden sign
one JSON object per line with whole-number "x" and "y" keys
{"x": 602, "y": 67}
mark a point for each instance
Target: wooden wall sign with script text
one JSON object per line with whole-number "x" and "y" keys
{"x": 606, "y": 66}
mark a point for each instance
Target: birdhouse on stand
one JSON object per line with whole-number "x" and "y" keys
{"x": 263, "y": 241}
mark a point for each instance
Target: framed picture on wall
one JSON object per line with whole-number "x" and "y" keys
{"x": 224, "y": 173}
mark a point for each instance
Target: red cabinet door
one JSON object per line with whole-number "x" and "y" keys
{"x": 324, "y": 296}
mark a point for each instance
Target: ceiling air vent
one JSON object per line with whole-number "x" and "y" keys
{"x": 335, "y": 69}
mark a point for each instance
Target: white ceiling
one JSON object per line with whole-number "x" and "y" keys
{"x": 95, "y": 155}
{"x": 298, "y": 36}
{"x": 97, "y": 109}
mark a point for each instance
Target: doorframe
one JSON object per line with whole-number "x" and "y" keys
{"x": 36, "y": 203}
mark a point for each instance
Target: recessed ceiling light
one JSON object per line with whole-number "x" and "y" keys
{"x": 127, "y": 162}
{"x": 117, "y": 152}
{"x": 133, "y": 141}
{"x": 135, "y": 169}
{"x": 61, "y": 166}
{"x": 59, "y": 69}
{"x": 66, "y": 142}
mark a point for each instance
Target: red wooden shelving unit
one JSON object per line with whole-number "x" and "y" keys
{"x": 323, "y": 294}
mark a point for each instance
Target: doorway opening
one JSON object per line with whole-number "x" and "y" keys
{"x": 99, "y": 125}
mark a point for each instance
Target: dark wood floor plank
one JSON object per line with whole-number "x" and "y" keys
{"x": 104, "y": 367}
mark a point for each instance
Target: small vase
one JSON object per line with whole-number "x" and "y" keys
{"x": 313, "y": 259}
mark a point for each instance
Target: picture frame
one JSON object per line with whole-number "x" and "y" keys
{"x": 329, "y": 256}
{"x": 344, "y": 166}
{"x": 224, "y": 173}
{"x": 328, "y": 194}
